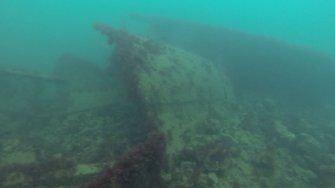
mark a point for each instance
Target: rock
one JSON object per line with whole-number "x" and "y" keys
{"x": 283, "y": 133}
{"x": 326, "y": 170}
{"x": 307, "y": 144}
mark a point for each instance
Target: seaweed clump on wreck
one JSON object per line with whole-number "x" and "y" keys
{"x": 131, "y": 54}
{"x": 139, "y": 167}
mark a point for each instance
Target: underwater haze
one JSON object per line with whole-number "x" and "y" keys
{"x": 167, "y": 94}
{"x": 35, "y": 33}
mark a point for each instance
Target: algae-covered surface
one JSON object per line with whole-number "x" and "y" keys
{"x": 158, "y": 116}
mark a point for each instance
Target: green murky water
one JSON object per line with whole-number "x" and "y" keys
{"x": 188, "y": 94}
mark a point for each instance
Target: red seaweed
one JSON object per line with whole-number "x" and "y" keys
{"x": 140, "y": 167}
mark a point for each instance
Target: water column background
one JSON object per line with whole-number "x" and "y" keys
{"x": 35, "y": 33}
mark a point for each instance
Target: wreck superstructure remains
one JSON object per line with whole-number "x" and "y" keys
{"x": 158, "y": 116}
